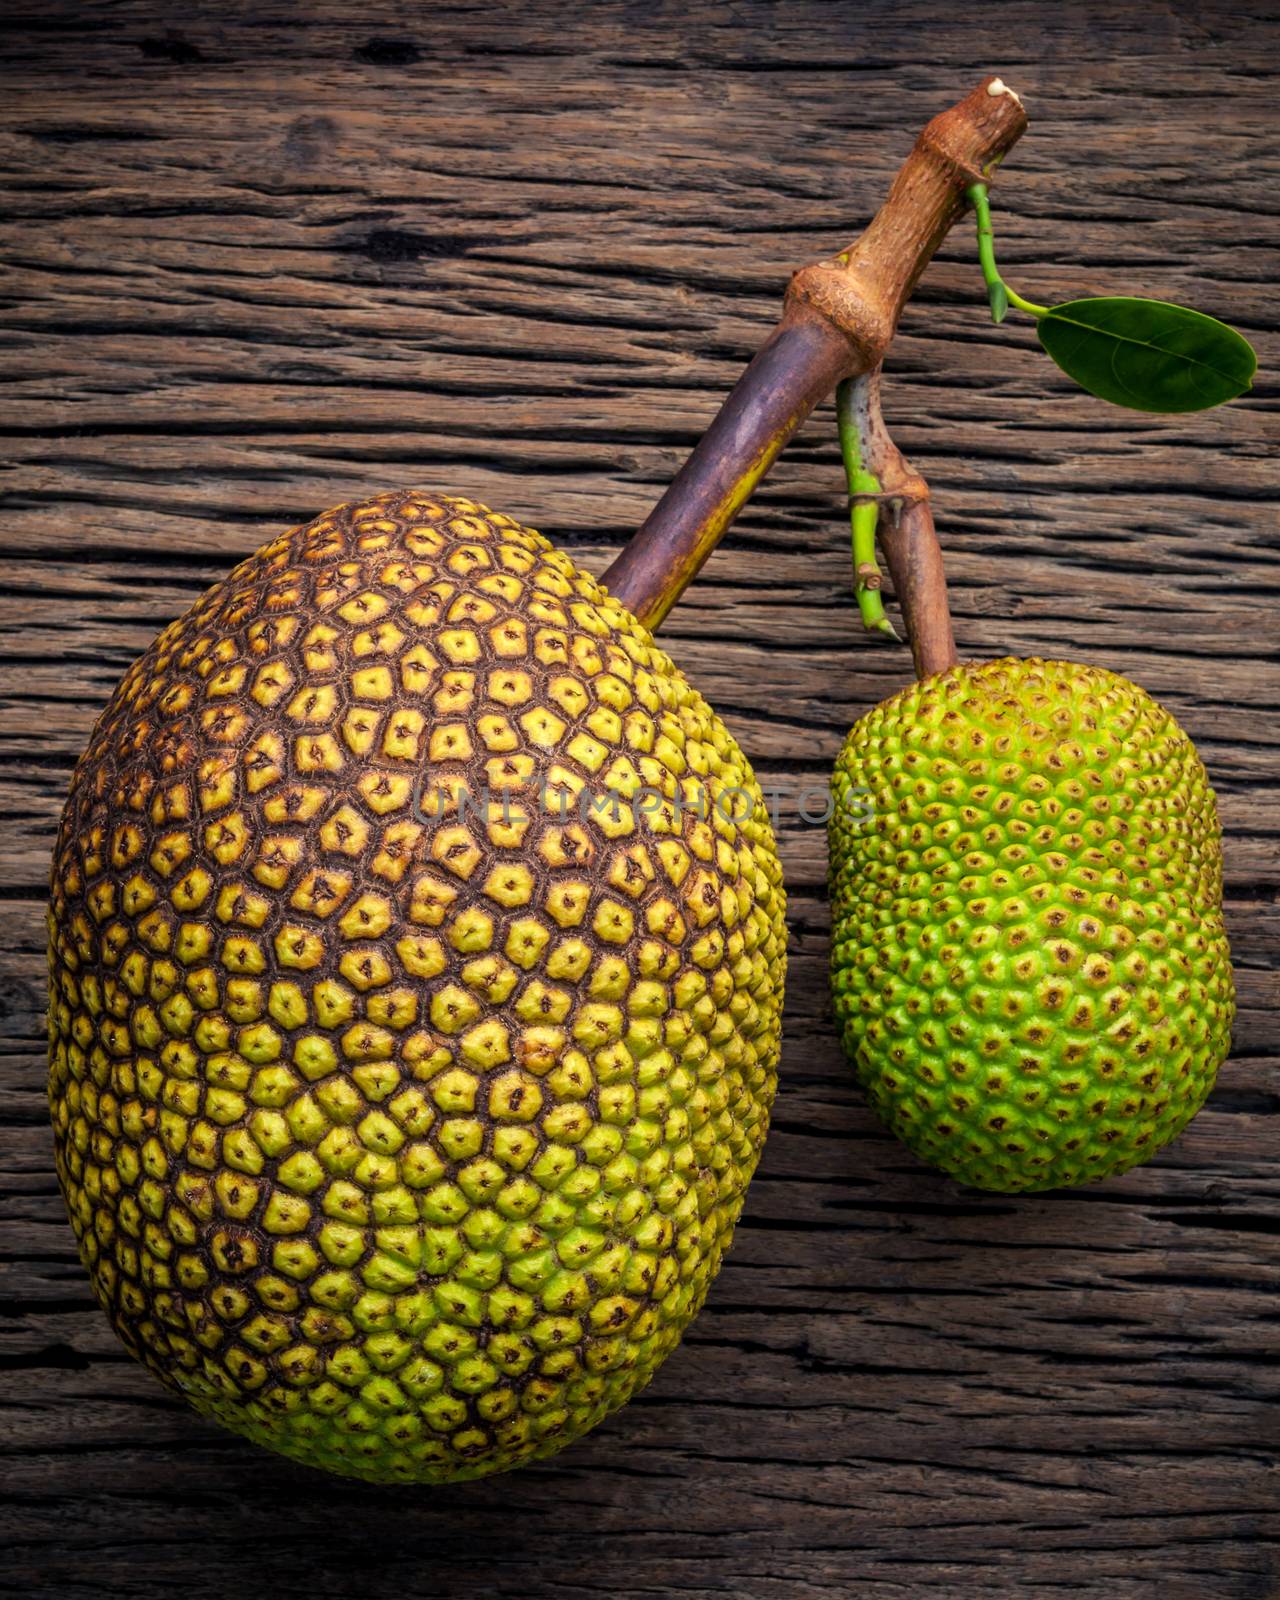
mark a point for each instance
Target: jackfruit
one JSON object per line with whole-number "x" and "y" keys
{"x": 416, "y": 964}
{"x": 1029, "y": 967}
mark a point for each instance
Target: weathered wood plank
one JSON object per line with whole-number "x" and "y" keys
{"x": 255, "y": 260}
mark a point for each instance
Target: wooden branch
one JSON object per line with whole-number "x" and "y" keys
{"x": 838, "y": 320}
{"x": 907, "y": 535}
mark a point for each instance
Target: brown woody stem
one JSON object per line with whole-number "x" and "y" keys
{"x": 907, "y": 536}
{"x": 838, "y": 318}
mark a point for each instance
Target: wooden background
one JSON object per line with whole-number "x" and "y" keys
{"x": 258, "y": 259}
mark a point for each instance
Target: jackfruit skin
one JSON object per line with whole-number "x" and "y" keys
{"x": 402, "y": 1140}
{"x": 1029, "y": 966}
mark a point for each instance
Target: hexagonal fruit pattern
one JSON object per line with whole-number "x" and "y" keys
{"x": 417, "y": 953}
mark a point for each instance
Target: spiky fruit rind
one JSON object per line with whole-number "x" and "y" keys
{"x": 1029, "y": 966}
{"x": 403, "y": 1129}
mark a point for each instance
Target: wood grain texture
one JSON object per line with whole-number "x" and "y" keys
{"x": 256, "y": 259}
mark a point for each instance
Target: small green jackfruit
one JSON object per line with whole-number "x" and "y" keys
{"x": 1030, "y": 970}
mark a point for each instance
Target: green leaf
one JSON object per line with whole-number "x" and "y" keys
{"x": 1147, "y": 354}
{"x": 998, "y": 300}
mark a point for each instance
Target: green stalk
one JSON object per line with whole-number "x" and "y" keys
{"x": 863, "y": 516}
{"x": 999, "y": 295}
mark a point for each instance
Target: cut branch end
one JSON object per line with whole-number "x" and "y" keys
{"x": 838, "y": 320}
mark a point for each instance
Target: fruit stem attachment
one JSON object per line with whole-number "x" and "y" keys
{"x": 907, "y": 534}
{"x": 864, "y": 511}
{"x": 838, "y": 319}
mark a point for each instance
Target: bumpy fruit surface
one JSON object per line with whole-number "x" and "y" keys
{"x": 1029, "y": 966}
{"x": 413, "y": 1035}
